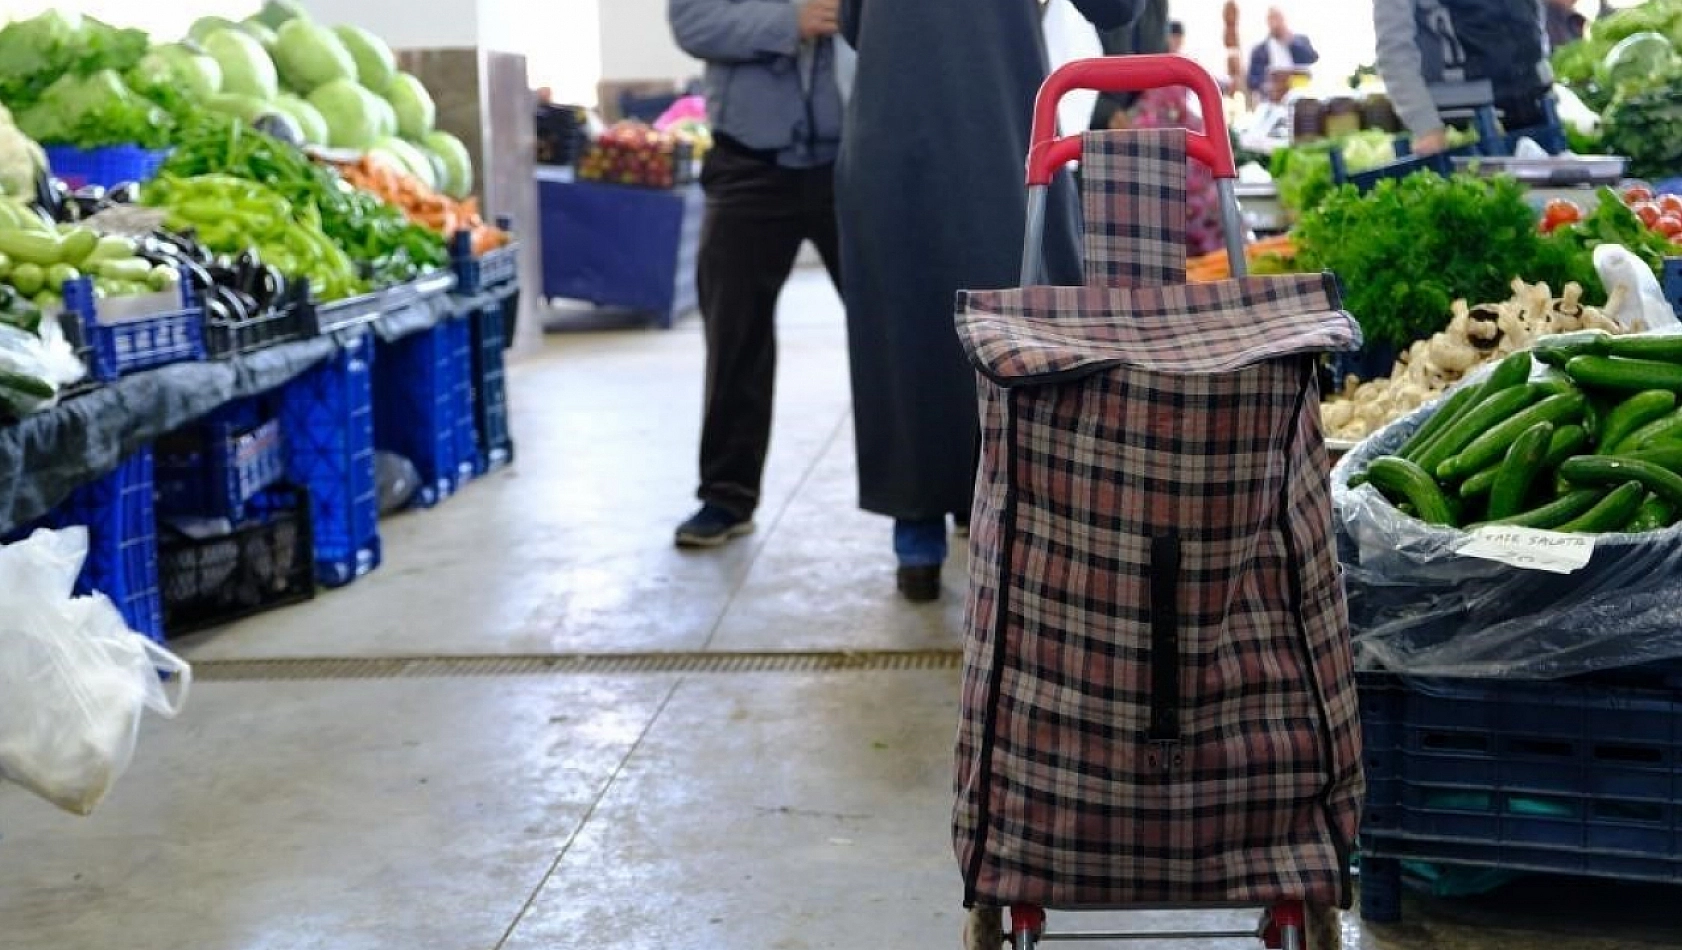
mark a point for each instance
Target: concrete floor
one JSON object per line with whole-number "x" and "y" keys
{"x": 638, "y": 811}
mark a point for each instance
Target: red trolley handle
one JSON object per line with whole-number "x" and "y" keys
{"x": 1047, "y": 153}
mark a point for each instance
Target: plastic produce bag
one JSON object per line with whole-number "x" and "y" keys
{"x": 1419, "y": 606}
{"x": 74, "y": 679}
{"x": 33, "y": 368}
{"x": 1635, "y": 299}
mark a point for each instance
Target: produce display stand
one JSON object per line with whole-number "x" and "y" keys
{"x": 620, "y": 246}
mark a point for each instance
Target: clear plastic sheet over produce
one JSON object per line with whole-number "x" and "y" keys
{"x": 1419, "y": 608}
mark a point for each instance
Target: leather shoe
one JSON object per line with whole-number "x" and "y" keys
{"x": 920, "y": 585}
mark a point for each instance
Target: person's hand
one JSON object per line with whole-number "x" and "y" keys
{"x": 1431, "y": 142}
{"x": 820, "y": 18}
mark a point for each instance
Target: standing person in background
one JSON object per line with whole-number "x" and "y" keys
{"x": 1422, "y": 42}
{"x": 776, "y": 80}
{"x": 1176, "y": 36}
{"x": 932, "y": 201}
{"x": 1565, "y": 24}
{"x": 1284, "y": 50}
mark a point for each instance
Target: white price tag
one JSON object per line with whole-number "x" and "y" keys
{"x": 1530, "y": 548}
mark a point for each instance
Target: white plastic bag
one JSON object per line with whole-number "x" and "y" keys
{"x": 74, "y": 679}
{"x": 1635, "y": 299}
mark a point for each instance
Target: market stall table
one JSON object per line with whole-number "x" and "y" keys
{"x": 620, "y": 246}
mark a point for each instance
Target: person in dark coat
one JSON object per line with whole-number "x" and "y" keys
{"x": 1283, "y": 50}
{"x": 931, "y": 199}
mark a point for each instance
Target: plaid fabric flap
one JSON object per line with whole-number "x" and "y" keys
{"x": 1133, "y": 199}
{"x": 1017, "y": 337}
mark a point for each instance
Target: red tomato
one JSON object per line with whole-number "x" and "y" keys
{"x": 1670, "y": 204}
{"x": 1648, "y": 212}
{"x": 1636, "y": 194}
{"x": 1670, "y": 225}
{"x": 1561, "y": 211}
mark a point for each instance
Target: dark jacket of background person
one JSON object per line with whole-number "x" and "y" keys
{"x": 1302, "y": 54}
{"x": 1147, "y": 34}
{"x": 931, "y": 201}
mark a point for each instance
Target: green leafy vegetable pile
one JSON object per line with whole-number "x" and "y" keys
{"x": 1644, "y": 122}
{"x": 1407, "y": 249}
{"x": 1580, "y": 65}
{"x": 1302, "y": 174}
{"x": 368, "y": 229}
{"x": 93, "y": 112}
{"x": 36, "y": 52}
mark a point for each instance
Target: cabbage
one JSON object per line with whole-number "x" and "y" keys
{"x": 206, "y": 25}
{"x": 196, "y": 75}
{"x": 246, "y": 108}
{"x": 376, "y": 65}
{"x": 277, "y": 13}
{"x": 21, "y": 161}
{"x": 457, "y": 180}
{"x": 93, "y": 112}
{"x": 264, "y": 36}
{"x": 416, "y": 112}
{"x": 308, "y": 117}
{"x": 310, "y": 56}
{"x": 1636, "y": 57}
{"x": 351, "y": 112}
{"x": 35, "y": 53}
{"x": 246, "y": 69}
{"x": 410, "y": 160}
{"x": 385, "y": 116}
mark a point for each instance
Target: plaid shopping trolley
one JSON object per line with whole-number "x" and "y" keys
{"x": 1158, "y": 703}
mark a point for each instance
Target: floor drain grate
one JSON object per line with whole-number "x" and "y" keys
{"x": 568, "y": 664}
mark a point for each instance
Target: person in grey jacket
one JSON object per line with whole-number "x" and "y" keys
{"x": 1423, "y": 42}
{"x": 774, "y": 84}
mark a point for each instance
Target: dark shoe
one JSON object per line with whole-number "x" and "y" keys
{"x": 960, "y": 527}
{"x": 712, "y": 527}
{"x": 920, "y": 585}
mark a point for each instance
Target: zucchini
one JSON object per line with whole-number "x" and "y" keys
{"x": 1445, "y": 414}
{"x": 1665, "y": 349}
{"x": 1404, "y": 482}
{"x": 1518, "y": 471}
{"x": 1610, "y": 372}
{"x": 1615, "y": 470}
{"x": 1559, "y": 350}
{"x": 1653, "y": 514}
{"x": 1490, "y": 443}
{"x": 1475, "y": 422}
{"x": 29, "y": 247}
{"x": 1632, "y": 414}
{"x": 1557, "y": 512}
{"x": 76, "y": 245}
{"x": 1610, "y": 513}
{"x": 1666, "y": 428}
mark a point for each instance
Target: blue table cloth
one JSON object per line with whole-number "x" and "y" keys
{"x": 619, "y": 246}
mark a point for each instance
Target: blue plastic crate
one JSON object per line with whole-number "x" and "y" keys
{"x": 417, "y": 404}
{"x": 132, "y": 344}
{"x": 496, "y": 272}
{"x": 106, "y": 167}
{"x": 213, "y": 470}
{"x": 490, "y": 387}
{"x": 1670, "y": 279}
{"x": 1579, "y": 777}
{"x": 122, "y": 562}
{"x": 327, "y": 421}
{"x": 458, "y": 333}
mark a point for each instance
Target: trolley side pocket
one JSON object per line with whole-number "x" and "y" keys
{"x": 1166, "y": 729}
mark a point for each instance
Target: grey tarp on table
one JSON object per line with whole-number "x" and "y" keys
{"x": 47, "y": 456}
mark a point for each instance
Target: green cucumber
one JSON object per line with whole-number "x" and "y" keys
{"x": 1554, "y": 382}
{"x": 1475, "y": 422}
{"x": 1559, "y": 350}
{"x": 1653, "y": 514}
{"x": 1665, "y": 349}
{"x": 1403, "y": 481}
{"x": 1664, "y": 455}
{"x": 1610, "y": 372}
{"x": 1445, "y": 414}
{"x": 1666, "y": 428}
{"x": 1491, "y": 443}
{"x": 1557, "y": 512}
{"x": 1615, "y": 470}
{"x": 1610, "y": 513}
{"x": 31, "y": 386}
{"x": 1518, "y": 471}
{"x": 1567, "y": 441}
{"x": 1479, "y": 484}
{"x": 1511, "y": 371}
{"x": 1632, "y": 414}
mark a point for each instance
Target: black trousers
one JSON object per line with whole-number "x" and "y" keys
{"x": 758, "y": 214}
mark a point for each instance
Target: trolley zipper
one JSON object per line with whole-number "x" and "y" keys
{"x": 1165, "y": 733}
{"x": 996, "y": 678}
{"x": 1293, "y": 577}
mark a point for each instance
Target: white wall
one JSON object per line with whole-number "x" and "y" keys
{"x": 636, "y": 42}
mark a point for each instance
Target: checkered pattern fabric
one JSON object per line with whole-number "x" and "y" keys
{"x": 1133, "y": 193}
{"x": 1158, "y": 699}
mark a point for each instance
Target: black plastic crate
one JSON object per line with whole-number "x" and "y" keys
{"x": 1579, "y": 777}
{"x": 263, "y": 562}
{"x": 225, "y": 339}
{"x": 490, "y": 387}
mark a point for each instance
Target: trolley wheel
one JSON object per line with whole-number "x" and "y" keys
{"x": 1027, "y": 923}
{"x": 984, "y": 929}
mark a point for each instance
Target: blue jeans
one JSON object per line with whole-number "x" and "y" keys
{"x": 920, "y": 543}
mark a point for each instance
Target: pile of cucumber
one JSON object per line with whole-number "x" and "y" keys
{"x": 1592, "y": 444}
